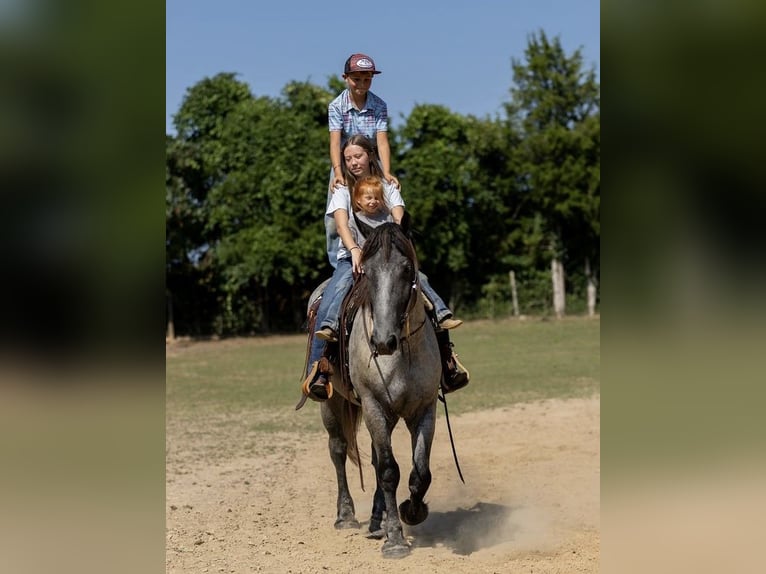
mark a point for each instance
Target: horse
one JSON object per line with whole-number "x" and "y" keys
{"x": 395, "y": 368}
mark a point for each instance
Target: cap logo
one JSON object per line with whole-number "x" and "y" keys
{"x": 364, "y": 63}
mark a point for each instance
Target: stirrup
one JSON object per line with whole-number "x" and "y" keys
{"x": 459, "y": 376}
{"x": 315, "y": 390}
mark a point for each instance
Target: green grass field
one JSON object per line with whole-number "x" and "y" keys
{"x": 510, "y": 361}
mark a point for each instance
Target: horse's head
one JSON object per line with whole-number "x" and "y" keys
{"x": 406, "y": 225}
{"x": 391, "y": 272}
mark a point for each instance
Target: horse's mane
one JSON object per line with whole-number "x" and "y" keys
{"x": 383, "y": 238}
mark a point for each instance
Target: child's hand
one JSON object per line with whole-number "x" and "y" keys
{"x": 356, "y": 261}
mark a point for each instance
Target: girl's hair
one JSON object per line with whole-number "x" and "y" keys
{"x": 369, "y": 184}
{"x": 372, "y": 155}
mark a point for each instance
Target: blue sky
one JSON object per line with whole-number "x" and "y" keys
{"x": 457, "y": 54}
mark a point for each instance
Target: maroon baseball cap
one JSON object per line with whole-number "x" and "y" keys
{"x": 360, "y": 63}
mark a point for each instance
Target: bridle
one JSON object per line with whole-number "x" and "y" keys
{"x": 404, "y": 319}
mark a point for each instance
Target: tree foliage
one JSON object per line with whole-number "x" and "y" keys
{"x": 556, "y": 105}
{"x": 246, "y": 180}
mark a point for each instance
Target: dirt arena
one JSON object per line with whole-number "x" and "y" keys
{"x": 243, "y": 501}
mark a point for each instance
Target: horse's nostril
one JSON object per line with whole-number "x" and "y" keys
{"x": 386, "y": 347}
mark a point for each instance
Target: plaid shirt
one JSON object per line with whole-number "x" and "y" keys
{"x": 342, "y": 116}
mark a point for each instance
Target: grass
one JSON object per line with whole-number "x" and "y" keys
{"x": 510, "y": 361}
{"x": 518, "y": 361}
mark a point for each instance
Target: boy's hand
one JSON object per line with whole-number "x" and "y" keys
{"x": 392, "y": 180}
{"x": 337, "y": 182}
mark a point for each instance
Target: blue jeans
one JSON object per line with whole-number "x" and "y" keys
{"x": 339, "y": 285}
{"x": 328, "y": 313}
{"x": 440, "y": 307}
{"x": 331, "y": 231}
{"x": 333, "y": 239}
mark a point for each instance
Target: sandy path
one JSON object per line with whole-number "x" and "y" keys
{"x": 241, "y": 502}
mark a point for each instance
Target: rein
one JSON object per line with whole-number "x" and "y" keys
{"x": 443, "y": 399}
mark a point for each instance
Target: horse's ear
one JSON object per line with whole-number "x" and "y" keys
{"x": 363, "y": 228}
{"x": 406, "y": 224}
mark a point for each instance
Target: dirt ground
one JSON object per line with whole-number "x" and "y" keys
{"x": 240, "y": 501}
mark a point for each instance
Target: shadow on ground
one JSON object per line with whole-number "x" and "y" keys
{"x": 466, "y": 530}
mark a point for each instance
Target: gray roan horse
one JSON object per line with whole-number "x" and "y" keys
{"x": 395, "y": 369}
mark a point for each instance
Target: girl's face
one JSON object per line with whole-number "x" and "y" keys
{"x": 357, "y": 160}
{"x": 369, "y": 203}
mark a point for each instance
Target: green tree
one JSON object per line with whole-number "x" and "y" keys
{"x": 188, "y": 276}
{"x": 268, "y": 210}
{"x": 555, "y": 105}
{"x": 194, "y": 166}
{"x": 244, "y": 195}
{"x": 436, "y": 167}
{"x": 246, "y": 185}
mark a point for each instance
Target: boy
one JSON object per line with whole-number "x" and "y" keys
{"x": 356, "y": 110}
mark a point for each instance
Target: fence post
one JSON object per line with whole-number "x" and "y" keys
{"x": 514, "y": 295}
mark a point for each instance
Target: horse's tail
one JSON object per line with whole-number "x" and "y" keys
{"x": 350, "y": 420}
{"x": 351, "y": 411}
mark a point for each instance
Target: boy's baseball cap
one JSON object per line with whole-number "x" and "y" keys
{"x": 360, "y": 63}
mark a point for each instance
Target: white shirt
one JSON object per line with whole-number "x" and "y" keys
{"x": 341, "y": 199}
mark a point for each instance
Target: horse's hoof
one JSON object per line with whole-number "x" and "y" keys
{"x": 410, "y": 514}
{"x": 375, "y": 530}
{"x": 376, "y": 534}
{"x": 342, "y": 523}
{"x": 395, "y": 550}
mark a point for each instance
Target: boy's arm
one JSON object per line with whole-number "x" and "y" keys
{"x": 335, "y": 160}
{"x": 384, "y": 152}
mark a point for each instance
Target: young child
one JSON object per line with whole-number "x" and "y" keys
{"x": 369, "y": 206}
{"x": 356, "y": 110}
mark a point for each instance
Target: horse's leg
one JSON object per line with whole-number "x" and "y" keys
{"x": 415, "y": 510}
{"x": 378, "y": 504}
{"x": 395, "y": 545}
{"x": 337, "y": 445}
